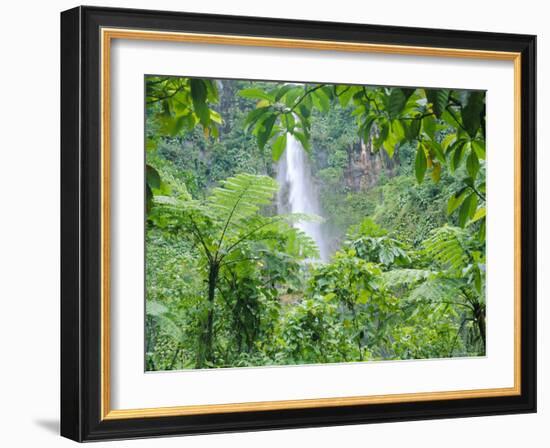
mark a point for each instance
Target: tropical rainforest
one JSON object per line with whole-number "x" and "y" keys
{"x": 305, "y": 223}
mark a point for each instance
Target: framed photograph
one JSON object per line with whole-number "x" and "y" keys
{"x": 276, "y": 224}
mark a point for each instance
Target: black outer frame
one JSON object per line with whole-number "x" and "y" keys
{"x": 80, "y": 223}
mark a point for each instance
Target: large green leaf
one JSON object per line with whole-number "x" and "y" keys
{"x": 479, "y": 214}
{"x": 397, "y": 130}
{"x": 456, "y": 152}
{"x": 429, "y": 126}
{"x": 265, "y": 131}
{"x": 254, "y": 116}
{"x": 366, "y": 127}
{"x": 282, "y": 91}
{"x": 408, "y": 92}
{"x": 439, "y": 99}
{"x": 383, "y": 131}
{"x": 472, "y": 164}
{"x": 291, "y": 97}
{"x": 174, "y": 125}
{"x": 256, "y": 94}
{"x": 467, "y": 209}
{"x": 448, "y": 141}
{"x": 394, "y": 138}
{"x": 212, "y": 90}
{"x": 472, "y": 113}
{"x": 396, "y": 102}
{"x": 436, "y": 150}
{"x": 420, "y": 163}
{"x": 456, "y": 200}
{"x": 345, "y": 93}
{"x": 412, "y": 127}
{"x": 303, "y": 140}
{"x": 152, "y": 176}
{"x": 321, "y": 100}
{"x": 278, "y": 147}
{"x": 198, "y": 95}
{"x": 479, "y": 147}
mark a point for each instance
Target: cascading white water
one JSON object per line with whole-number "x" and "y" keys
{"x": 298, "y": 193}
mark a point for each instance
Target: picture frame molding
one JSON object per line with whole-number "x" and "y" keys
{"x": 86, "y": 34}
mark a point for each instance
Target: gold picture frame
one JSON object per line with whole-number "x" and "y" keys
{"x": 517, "y": 49}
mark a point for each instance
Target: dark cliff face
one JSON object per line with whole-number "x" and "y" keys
{"x": 354, "y": 163}
{"x": 366, "y": 166}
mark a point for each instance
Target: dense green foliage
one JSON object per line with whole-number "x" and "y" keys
{"x": 401, "y": 181}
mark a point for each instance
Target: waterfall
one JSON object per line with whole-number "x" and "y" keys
{"x": 297, "y": 193}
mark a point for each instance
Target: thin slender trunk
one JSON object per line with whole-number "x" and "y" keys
{"x": 206, "y": 352}
{"x": 175, "y": 357}
{"x": 212, "y": 280}
{"x": 357, "y": 333}
{"x": 480, "y": 320}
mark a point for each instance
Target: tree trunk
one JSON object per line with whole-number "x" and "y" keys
{"x": 206, "y": 352}
{"x": 480, "y": 320}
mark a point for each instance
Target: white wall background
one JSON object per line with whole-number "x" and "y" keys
{"x": 29, "y": 221}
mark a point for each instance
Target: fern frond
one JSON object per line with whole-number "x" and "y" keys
{"x": 242, "y": 196}
{"x": 436, "y": 289}
{"x": 168, "y": 322}
{"x": 181, "y": 212}
{"x": 446, "y": 245}
{"x": 232, "y": 216}
{"x": 399, "y": 277}
{"x": 300, "y": 243}
{"x": 279, "y": 229}
{"x": 154, "y": 308}
{"x": 170, "y": 327}
{"x": 294, "y": 218}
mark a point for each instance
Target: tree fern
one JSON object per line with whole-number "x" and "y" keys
{"x": 446, "y": 245}
{"x": 227, "y": 230}
{"x": 457, "y": 283}
{"x": 239, "y": 198}
{"x": 232, "y": 215}
{"x": 437, "y": 289}
{"x": 399, "y": 277}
